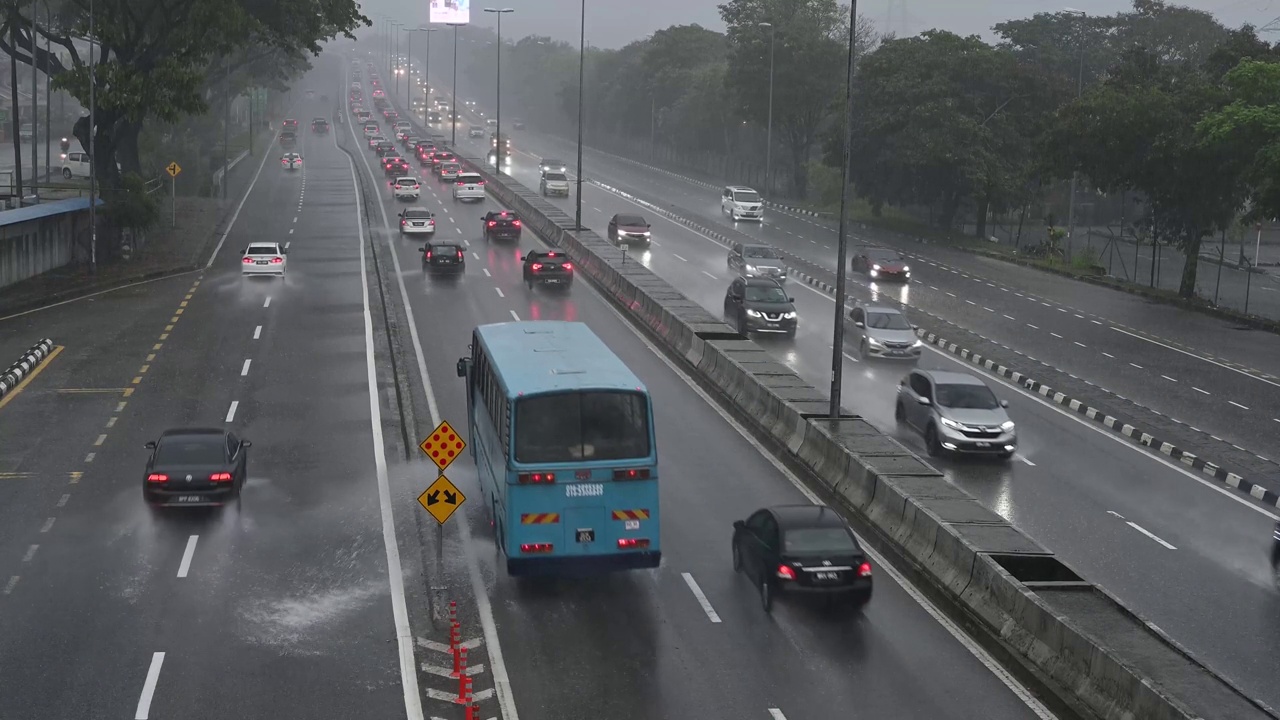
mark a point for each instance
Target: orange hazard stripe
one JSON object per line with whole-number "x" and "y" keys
{"x": 539, "y": 518}
{"x": 630, "y": 514}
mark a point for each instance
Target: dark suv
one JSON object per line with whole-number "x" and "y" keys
{"x": 443, "y": 257}
{"x": 501, "y": 225}
{"x": 760, "y": 305}
{"x": 320, "y": 125}
{"x": 549, "y": 267}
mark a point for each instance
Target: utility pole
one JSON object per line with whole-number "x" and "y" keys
{"x": 226, "y": 124}
{"x": 837, "y": 342}
{"x": 453, "y": 135}
{"x": 582, "y": 101}
{"x": 35, "y": 109}
{"x": 48, "y": 90}
{"x": 93, "y": 158}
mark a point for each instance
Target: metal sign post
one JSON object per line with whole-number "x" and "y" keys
{"x": 173, "y": 169}
{"x": 443, "y": 498}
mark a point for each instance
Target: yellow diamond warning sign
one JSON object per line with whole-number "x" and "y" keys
{"x": 443, "y": 445}
{"x": 173, "y": 169}
{"x": 442, "y": 499}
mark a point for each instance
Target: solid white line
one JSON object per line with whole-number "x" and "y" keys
{"x": 245, "y": 370}
{"x": 231, "y": 413}
{"x": 395, "y": 573}
{"x": 185, "y": 566}
{"x": 1149, "y": 534}
{"x": 701, "y": 597}
{"x": 267, "y": 303}
{"x": 776, "y": 714}
{"x": 514, "y": 315}
{"x": 149, "y": 687}
{"x": 1198, "y": 357}
{"x": 236, "y": 214}
{"x": 1233, "y": 402}
{"x": 257, "y": 332}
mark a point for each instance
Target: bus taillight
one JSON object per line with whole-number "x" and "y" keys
{"x": 537, "y": 478}
{"x": 632, "y": 543}
{"x": 537, "y": 547}
{"x": 632, "y": 474}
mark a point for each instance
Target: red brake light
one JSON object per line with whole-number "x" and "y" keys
{"x": 428, "y": 254}
{"x": 492, "y": 223}
{"x": 461, "y": 183}
{"x": 480, "y": 183}
{"x": 633, "y": 474}
{"x": 403, "y": 221}
{"x": 569, "y": 266}
{"x": 632, "y": 543}
{"x": 220, "y": 477}
{"x": 459, "y": 254}
{"x": 277, "y": 260}
{"x": 864, "y": 570}
{"x": 516, "y": 223}
{"x": 157, "y": 478}
{"x": 536, "y": 547}
{"x": 247, "y": 261}
{"x": 537, "y": 478}
{"x": 536, "y": 266}
{"x": 786, "y": 573}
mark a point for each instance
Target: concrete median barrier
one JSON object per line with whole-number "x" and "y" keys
{"x": 1072, "y": 636}
{"x": 20, "y": 369}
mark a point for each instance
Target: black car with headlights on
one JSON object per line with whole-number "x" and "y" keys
{"x": 629, "y": 229}
{"x": 501, "y": 225}
{"x": 802, "y": 550}
{"x": 195, "y": 467}
{"x": 760, "y": 305}
{"x": 443, "y": 257}
{"x": 548, "y": 268}
{"x": 882, "y": 264}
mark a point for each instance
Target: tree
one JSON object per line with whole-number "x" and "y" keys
{"x": 1250, "y": 127}
{"x": 129, "y": 206}
{"x": 810, "y": 52}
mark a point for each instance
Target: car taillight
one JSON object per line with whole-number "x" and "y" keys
{"x": 567, "y": 266}
{"x": 220, "y": 477}
{"x": 786, "y": 573}
{"x": 428, "y": 254}
{"x": 461, "y": 183}
{"x": 516, "y": 223}
{"x": 536, "y": 547}
{"x": 633, "y": 474}
{"x": 492, "y": 223}
{"x": 459, "y": 254}
{"x": 864, "y": 570}
{"x": 537, "y": 478}
{"x": 403, "y": 222}
{"x": 536, "y": 266}
{"x": 247, "y": 260}
{"x": 480, "y": 183}
{"x": 431, "y": 222}
{"x": 277, "y": 260}
{"x": 632, "y": 543}
{"x": 157, "y": 478}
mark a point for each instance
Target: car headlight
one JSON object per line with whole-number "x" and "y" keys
{"x": 646, "y": 233}
{"x": 906, "y": 268}
{"x": 1007, "y": 426}
{"x": 874, "y": 342}
{"x": 875, "y": 267}
{"x": 950, "y": 423}
{"x": 789, "y": 315}
{"x": 753, "y": 313}
{"x": 917, "y": 344}
{"x": 751, "y": 268}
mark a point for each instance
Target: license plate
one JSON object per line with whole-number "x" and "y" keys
{"x": 419, "y": 225}
{"x": 772, "y": 325}
{"x": 826, "y": 576}
{"x": 190, "y": 498}
{"x": 553, "y": 281}
{"x": 261, "y": 262}
{"x": 586, "y": 535}
{"x": 897, "y": 353}
{"x": 983, "y": 444}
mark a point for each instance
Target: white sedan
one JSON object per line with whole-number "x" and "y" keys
{"x": 417, "y": 220}
{"x": 291, "y": 161}
{"x": 405, "y": 188}
{"x": 263, "y": 258}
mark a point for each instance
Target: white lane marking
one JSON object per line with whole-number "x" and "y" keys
{"x": 1056, "y": 335}
{"x": 1198, "y": 357}
{"x": 1033, "y": 327}
{"x": 1233, "y": 402}
{"x": 267, "y": 303}
{"x": 231, "y": 412}
{"x": 185, "y": 566}
{"x": 678, "y": 257}
{"x": 1206, "y": 392}
{"x": 257, "y": 332}
{"x": 236, "y": 214}
{"x": 954, "y": 630}
{"x": 295, "y": 218}
{"x": 1095, "y": 322}
{"x": 31, "y": 552}
{"x": 486, "y": 272}
{"x": 1113, "y": 512}
{"x": 286, "y": 245}
{"x": 514, "y": 315}
{"x": 62, "y": 501}
{"x": 1136, "y": 365}
{"x": 701, "y": 597}
{"x": 1077, "y": 342}
{"x": 395, "y": 573}
{"x": 1011, "y": 317}
{"x": 776, "y": 714}
{"x": 13, "y": 582}
{"x": 89, "y": 458}
{"x": 1109, "y": 355}
{"x": 713, "y": 277}
{"x": 499, "y": 291}
{"x": 971, "y": 302}
{"x": 149, "y": 687}
{"x": 1025, "y": 460}
{"x": 477, "y": 257}
{"x": 245, "y": 370}
{"x": 1166, "y": 377}
{"x": 48, "y": 525}
{"x": 1149, "y": 534}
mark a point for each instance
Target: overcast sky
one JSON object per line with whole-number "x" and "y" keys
{"x": 613, "y": 23}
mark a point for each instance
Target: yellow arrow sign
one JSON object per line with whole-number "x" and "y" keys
{"x": 173, "y": 169}
{"x": 442, "y": 499}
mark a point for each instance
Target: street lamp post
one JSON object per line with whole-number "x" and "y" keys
{"x": 453, "y": 134}
{"x": 837, "y": 342}
{"x": 1075, "y": 174}
{"x": 93, "y": 158}
{"x": 396, "y": 57}
{"x": 498, "y": 139}
{"x": 409, "y": 64}
{"x": 768, "y": 142}
{"x": 582, "y": 89}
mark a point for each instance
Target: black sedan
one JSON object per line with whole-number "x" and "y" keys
{"x": 547, "y": 268}
{"x": 196, "y": 467}
{"x": 501, "y": 225}
{"x": 802, "y": 550}
{"x": 445, "y": 258}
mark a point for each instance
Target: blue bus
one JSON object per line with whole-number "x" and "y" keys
{"x": 562, "y": 436}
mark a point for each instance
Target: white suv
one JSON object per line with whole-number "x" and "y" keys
{"x": 742, "y": 203}
{"x": 469, "y": 186}
{"x": 405, "y": 188}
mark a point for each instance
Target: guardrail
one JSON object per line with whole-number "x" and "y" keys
{"x": 29, "y": 361}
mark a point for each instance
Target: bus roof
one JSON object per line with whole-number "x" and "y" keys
{"x": 550, "y": 356}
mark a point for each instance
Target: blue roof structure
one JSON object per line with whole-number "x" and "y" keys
{"x": 553, "y": 356}
{"x": 44, "y": 210}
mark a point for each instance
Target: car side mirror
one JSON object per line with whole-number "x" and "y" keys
{"x": 1004, "y": 403}
{"x": 462, "y": 367}
{"x": 859, "y": 323}
{"x": 524, "y": 257}
{"x": 245, "y": 444}
{"x": 924, "y": 401}
{"x": 422, "y": 249}
{"x": 738, "y": 524}
{"x": 791, "y": 300}
{"x": 151, "y": 445}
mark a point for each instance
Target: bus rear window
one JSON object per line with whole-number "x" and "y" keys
{"x": 582, "y": 427}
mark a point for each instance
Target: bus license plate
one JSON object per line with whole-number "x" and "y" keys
{"x": 584, "y": 490}
{"x": 827, "y": 576}
{"x": 586, "y": 535}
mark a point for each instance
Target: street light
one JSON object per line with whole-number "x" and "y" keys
{"x": 93, "y": 159}
{"x": 768, "y": 142}
{"x": 582, "y": 58}
{"x": 408, "y": 50}
{"x": 499, "y": 140}
{"x": 453, "y": 134}
{"x": 1075, "y": 174}
{"x": 837, "y": 342}
{"x": 395, "y": 70}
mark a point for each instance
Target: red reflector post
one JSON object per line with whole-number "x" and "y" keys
{"x": 632, "y": 543}
{"x": 157, "y": 478}
{"x": 536, "y": 547}
{"x": 786, "y": 573}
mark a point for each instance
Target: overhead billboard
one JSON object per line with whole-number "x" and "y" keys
{"x": 451, "y": 12}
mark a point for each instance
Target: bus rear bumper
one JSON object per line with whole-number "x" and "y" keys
{"x": 571, "y": 566}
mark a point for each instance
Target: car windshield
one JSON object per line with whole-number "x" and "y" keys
{"x": 449, "y": 167}
{"x": 887, "y": 321}
{"x": 746, "y": 197}
{"x": 557, "y": 177}
{"x": 632, "y": 221}
{"x": 205, "y": 450}
{"x": 477, "y": 127}
{"x": 765, "y": 294}
{"x": 445, "y": 249}
{"x": 469, "y": 178}
{"x": 262, "y": 250}
{"x": 827, "y": 540}
{"x": 760, "y": 252}
{"x": 884, "y": 257}
{"x": 583, "y": 425}
{"x": 966, "y": 397}
{"x": 420, "y": 214}
{"x": 407, "y": 181}
{"x": 552, "y": 162}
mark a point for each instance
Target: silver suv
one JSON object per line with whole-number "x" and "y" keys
{"x": 757, "y": 261}
{"x": 742, "y": 203}
{"x": 955, "y": 412}
{"x": 883, "y": 332}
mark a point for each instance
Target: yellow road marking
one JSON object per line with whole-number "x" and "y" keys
{"x": 184, "y": 302}
{"x": 165, "y": 335}
{"x": 75, "y": 476}
{"x": 151, "y": 357}
{"x": 26, "y": 380}
{"x": 179, "y": 311}
{"x": 173, "y": 320}
{"x": 144, "y": 368}
{"x": 101, "y": 439}
{"x": 127, "y": 393}
{"x": 157, "y": 346}
{"x": 137, "y": 380}
{"x": 87, "y": 391}
{"x": 15, "y": 475}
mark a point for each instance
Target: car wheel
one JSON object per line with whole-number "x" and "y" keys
{"x": 743, "y": 329}
{"x": 899, "y": 413}
{"x": 66, "y": 173}
{"x": 737, "y": 557}
{"x": 931, "y": 441}
{"x": 766, "y": 596}
{"x": 863, "y": 349}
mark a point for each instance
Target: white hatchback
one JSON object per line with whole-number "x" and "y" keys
{"x": 265, "y": 258}
{"x": 406, "y": 188}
